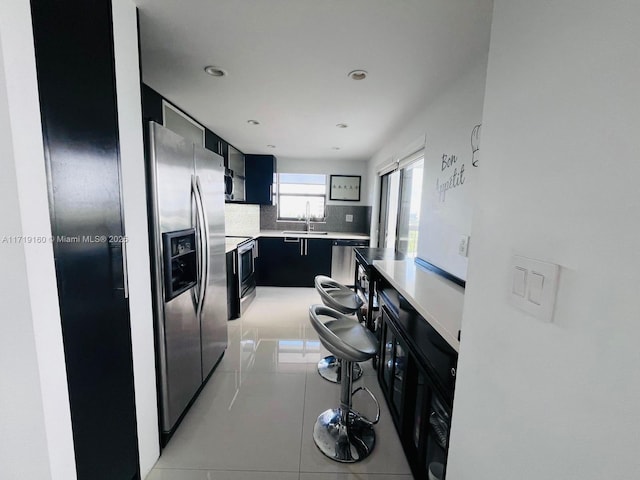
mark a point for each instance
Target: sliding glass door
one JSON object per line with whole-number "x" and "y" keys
{"x": 409, "y": 216}
{"x": 388, "y": 220}
{"x": 400, "y": 199}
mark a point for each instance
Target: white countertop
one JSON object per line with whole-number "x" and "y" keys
{"x": 231, "y": 243}
{"x": 437, "y": 299}
{"x": 312, "y": 234}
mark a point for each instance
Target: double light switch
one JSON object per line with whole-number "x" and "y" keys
{"x": 534, "y": 285}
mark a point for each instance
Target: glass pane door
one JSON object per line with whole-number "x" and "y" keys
{"x": 389, "y": 201}
{"x": 438, "y": 435}
{"x": 387, "y": 356}
{"x": 410, "y": 199}
{"x": 399, "y": 375}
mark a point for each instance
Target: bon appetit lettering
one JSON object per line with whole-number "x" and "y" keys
{"x": 453, "y": 179}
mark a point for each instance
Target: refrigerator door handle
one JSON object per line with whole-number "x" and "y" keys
{"x": 199, "y": 229}
{"x": 195, "y": 220}
{"x": 204, "y": 232}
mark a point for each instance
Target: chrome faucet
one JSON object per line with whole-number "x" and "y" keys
{"x": 307, "y": 217}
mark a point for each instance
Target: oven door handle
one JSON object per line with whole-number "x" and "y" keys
{"x": 235, "y": 261}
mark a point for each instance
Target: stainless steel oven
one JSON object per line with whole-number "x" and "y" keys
{"x": 247, "y": 254}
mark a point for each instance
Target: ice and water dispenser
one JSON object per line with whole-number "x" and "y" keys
{"x": 180, "y": 262}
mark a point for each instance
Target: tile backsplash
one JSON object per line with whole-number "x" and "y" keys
{"x": 241, "y": 219}
{"x": 335, "y": 221}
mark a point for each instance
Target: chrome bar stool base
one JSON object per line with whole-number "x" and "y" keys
{"x": 330, "y": 367}
{"x": 345, "y": 442}
{"x": 341, "y": 433}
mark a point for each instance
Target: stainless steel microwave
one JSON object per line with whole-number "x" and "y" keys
{"x": 236, "y": 177}
{"x": 228, "y": 184}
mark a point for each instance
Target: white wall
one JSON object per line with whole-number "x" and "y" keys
{"x": 442, "y": 126}
{"x": 559, "y": 182}
{"x": 23, "y": 449}
{"x": 136, "y": 228}
{"x": 445, "y": 214}
{"x": 35, "y": 418}
{"x": 331, "y": 167}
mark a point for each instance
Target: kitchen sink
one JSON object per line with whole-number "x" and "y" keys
{"x": 299, "y": 232}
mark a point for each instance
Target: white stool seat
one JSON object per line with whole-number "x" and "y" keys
{"x": 344, "y": 300}
{"x": 337, "y": 296}
{"x": 342, "y": 336}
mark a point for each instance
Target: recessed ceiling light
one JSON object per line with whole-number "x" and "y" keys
{"x": 357, "y": 75}
{"x": 335, "y": 148}
{"x": 271, "y": 146}
{"x": 215, "y": 71}
{"x": 342, "y": 125}
{"x": 253, "y": 122}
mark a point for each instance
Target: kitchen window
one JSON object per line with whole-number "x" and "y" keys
{"x": 295, "y": 190}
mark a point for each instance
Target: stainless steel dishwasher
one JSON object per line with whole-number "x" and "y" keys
{"x": 343, "y": 260}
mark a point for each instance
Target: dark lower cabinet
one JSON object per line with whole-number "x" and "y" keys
{"x": 394, "y": 370}
{"x": 76, "y": 82}
{"x": 276, "y": 263}
{"x": 292, "y": 261}
{"x": 317, "y": 259}
{"x": 233, "y": 294}
{"x": 419, "y": 402}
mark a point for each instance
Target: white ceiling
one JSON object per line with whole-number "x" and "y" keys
{"x": 288, "y": 60}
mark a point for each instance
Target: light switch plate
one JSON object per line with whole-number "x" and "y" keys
{"x": 463, "y": 246}
{"x": 540, "y": 286}
{"x": 536, "y": 287}
{"x": 519, "y": 282}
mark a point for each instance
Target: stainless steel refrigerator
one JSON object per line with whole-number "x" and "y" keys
{"x": 186, "y": 189}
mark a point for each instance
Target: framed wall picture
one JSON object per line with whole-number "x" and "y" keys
{"x": 345, "y": 187}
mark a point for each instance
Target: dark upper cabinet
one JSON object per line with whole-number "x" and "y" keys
{"x": 151, "y": 105}
{"x": 214, "y": 143}
{"x": 255, "y": 172}
{"x": 236, "y": 164}
{"x": 152, "y": 111}
{"x": 259, "y": 171}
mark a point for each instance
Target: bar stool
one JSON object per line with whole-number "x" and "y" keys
{"x": 341, "y": 433}
{"x": 341, "y": 298}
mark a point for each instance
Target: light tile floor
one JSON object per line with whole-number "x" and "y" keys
{"x": 254, "y": 418}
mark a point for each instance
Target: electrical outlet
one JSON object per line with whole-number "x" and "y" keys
{"x": 348, "y": 218}
{"x": 463, "y": 246}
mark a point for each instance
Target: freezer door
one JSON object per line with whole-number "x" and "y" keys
{"x": 177, "y": 327}
{"x": 213, "y": 314}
